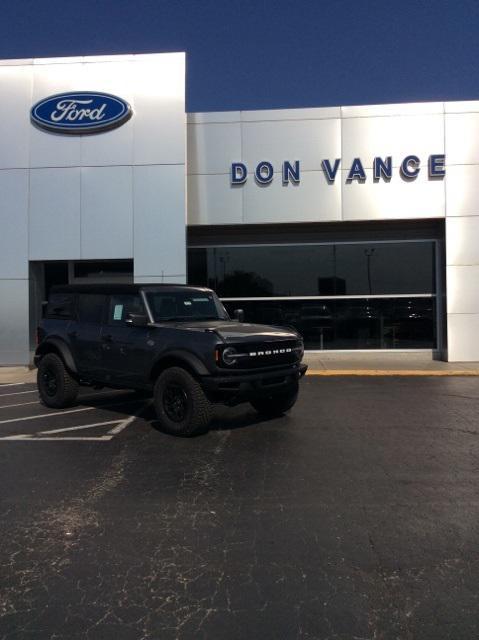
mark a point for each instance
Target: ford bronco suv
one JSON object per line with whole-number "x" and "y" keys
{"x": 176, "y": 342}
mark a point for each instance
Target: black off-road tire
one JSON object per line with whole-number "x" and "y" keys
{"x": 56, "y": 386}
{"x": 181, "y": 405}
{"x": 276, "y": 404}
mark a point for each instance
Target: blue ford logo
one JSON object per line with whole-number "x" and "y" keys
{"x": 82, "y": 112}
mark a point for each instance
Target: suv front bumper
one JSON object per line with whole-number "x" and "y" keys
{"x": 241, "y": 387}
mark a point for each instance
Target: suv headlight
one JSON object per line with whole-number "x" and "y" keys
{"x": 300, "y": 350}
{"x": 228, "y": 356}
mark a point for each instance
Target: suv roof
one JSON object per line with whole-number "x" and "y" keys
{"x": 121, "y": 288}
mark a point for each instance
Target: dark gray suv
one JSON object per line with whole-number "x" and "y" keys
{"x": 173, "y": 341}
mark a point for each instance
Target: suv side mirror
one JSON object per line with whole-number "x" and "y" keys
{"x": 136, "y": 320}
{"x": 238, "y": 315}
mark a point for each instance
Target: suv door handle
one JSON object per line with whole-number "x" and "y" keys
{"x": 107, "y": 338}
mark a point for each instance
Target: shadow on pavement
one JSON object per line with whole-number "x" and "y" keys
{"x": 130, "y": 403}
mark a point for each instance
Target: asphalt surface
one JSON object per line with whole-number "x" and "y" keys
{"x": 354, "y": 517}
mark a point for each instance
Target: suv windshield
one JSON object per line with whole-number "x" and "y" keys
{"x": 185, "y": 305}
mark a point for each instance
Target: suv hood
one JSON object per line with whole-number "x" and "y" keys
{"x": 236, "y": 331}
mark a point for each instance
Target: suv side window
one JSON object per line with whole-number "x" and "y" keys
{"x": 123, "y": 304}
{"x": 60, "y": 306}
{"x": 90, "y": 307}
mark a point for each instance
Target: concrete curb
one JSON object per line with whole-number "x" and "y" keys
{"x": 391, "y": 372}
{"x": 23, "y": 375}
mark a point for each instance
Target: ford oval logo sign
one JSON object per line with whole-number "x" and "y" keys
{"x": 80, "y": 112}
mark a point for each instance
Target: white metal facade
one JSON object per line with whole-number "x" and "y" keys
{"x": 94, "y": 196}
{"x": 121, "y": 194}
{"x": 215, "y": 140}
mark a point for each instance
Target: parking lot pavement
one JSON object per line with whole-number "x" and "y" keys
{"x": 356, "y": 516}
{"x": 97, "y": 416}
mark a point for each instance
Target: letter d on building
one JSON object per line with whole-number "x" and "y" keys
{"x": 239, "y": 173}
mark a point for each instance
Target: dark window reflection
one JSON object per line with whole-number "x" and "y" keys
{"x": 386, "y": 268}
{"x": 315, "y": 270}
{"x": 263, "y": 270}
{"x": 393, "y": 323}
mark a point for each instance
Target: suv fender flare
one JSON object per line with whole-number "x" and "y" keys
{"x": 178, "y": 357}
{"x": 62, "y": 348}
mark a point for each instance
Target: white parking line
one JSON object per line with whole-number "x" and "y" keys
{"x": 104, "y": 393}
{"x": 126, "y": 423}
{"x": 17, "y": 393}
{"x": 45, "y": 435}
{"x": 64, "y": 413}
{"x": 28, "y": 438}
{"x": 46, "y": 415}
{"x": 21, "y": 404}
{"x": 12, "y": 384}
{"x": 78, "y": 428}
{"x": 42, "y": 434}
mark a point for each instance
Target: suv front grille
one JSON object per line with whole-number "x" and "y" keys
{"x": 266, "y": 354}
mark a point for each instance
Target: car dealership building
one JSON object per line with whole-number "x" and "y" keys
{"x": 357, "y": 225}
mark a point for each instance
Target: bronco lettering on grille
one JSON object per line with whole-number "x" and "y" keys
{"x": 273, "y": 352}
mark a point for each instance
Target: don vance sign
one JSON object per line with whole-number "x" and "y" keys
{"x": 382, "y": 169}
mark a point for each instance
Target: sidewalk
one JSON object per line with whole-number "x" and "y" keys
{"x": 334, "y": 364}
{"x": 385, "y": 364}
{"x": 12, "y": 375}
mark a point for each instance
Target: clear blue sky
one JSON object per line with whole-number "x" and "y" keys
{"x": 245, "y": 54}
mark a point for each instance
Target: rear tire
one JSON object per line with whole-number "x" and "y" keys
{"x": 276, "y": 405}
{"x": 181, "y": 405}
{"x": 56, "y": 386}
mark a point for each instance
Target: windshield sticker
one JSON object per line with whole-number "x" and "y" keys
{"x": 118, "y": 312}
{"x": 187, "y": 303}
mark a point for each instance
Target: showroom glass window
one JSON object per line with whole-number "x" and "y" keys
{"x": 339, "y": 296}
